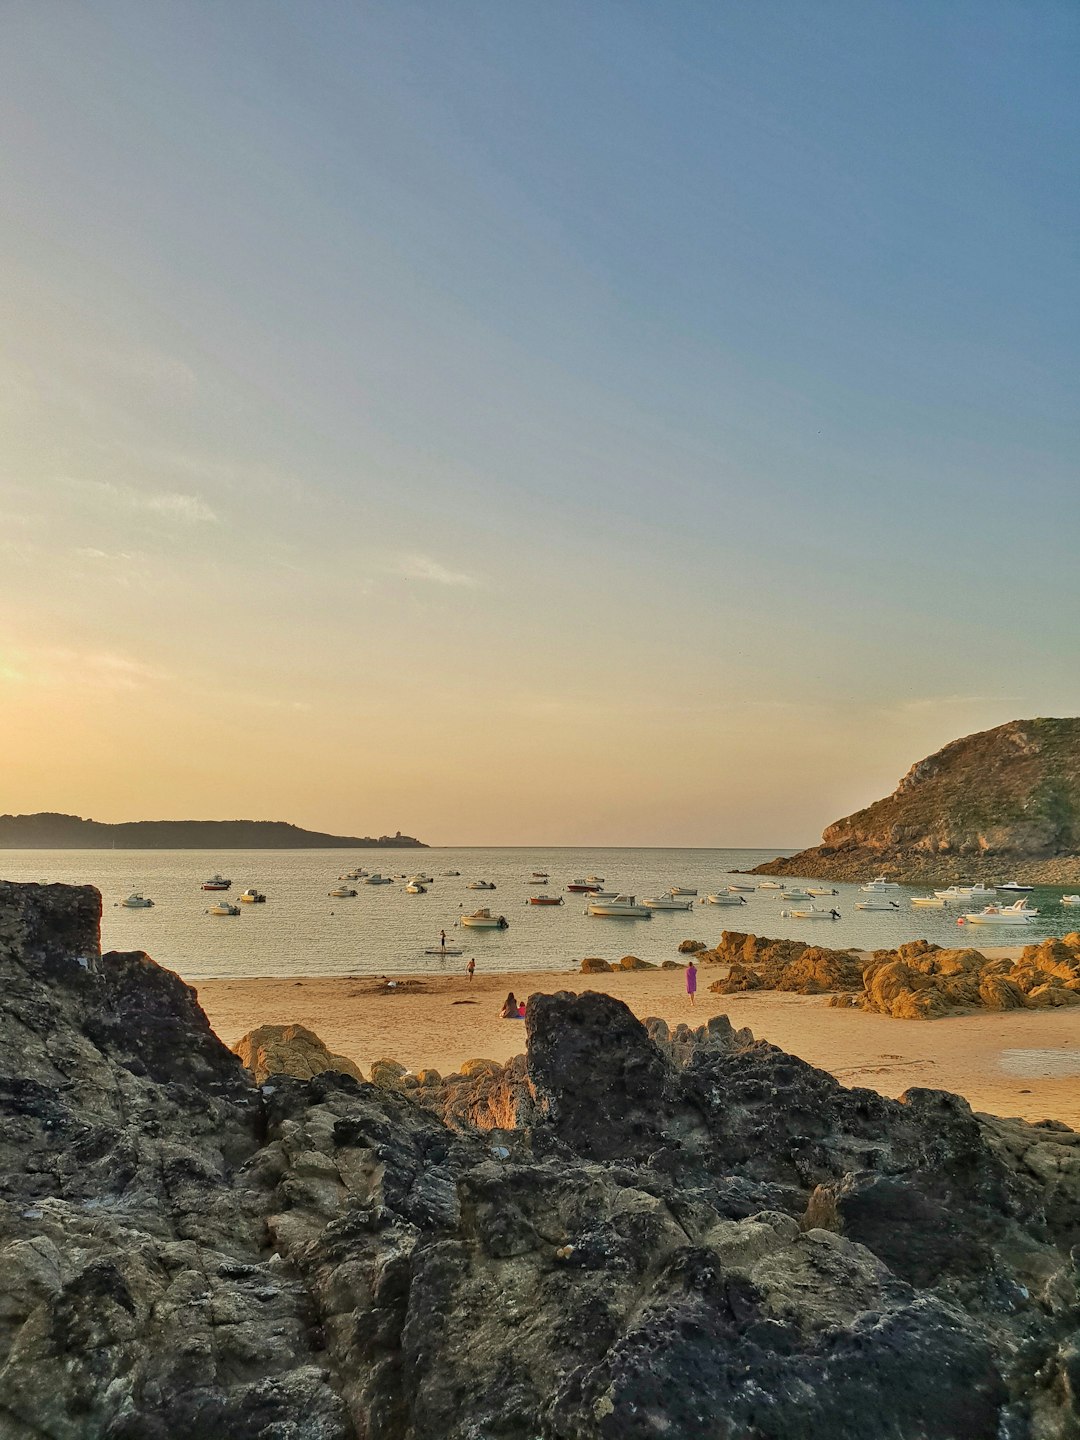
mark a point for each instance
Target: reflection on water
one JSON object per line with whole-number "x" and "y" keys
{"x": 302, "y": 930}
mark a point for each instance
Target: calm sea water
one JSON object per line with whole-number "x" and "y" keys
{"x": 300, "y": 930}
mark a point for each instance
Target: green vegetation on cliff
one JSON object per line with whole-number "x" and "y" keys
{"x": 68, "y": 832}
{"x": 1007, "y": 798}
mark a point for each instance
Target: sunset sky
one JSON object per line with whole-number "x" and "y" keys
{"x": 594, "y": 422}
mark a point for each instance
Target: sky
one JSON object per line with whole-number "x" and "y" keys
{"x": 581, "y": 423}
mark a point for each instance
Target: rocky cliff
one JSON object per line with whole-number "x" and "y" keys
{"x": 624, "y": 1233}
{"x": 1004, "y": 803}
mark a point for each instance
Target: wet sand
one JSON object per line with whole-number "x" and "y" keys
{"x": 1024, "y": 1063}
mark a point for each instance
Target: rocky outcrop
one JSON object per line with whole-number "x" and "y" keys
{"x": 916, "y": 981}
{"x": 289, "y": 1050}
{"x": 626, "y": 1232}
{"x": 1006, "y": 799}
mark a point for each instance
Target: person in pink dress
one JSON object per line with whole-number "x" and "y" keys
{"x": 691, "y": 981}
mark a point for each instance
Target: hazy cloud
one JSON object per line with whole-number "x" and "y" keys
{"x": 422, "y": 567}
{"x": 71, "y": 668}
{"x": 169, "y": 504}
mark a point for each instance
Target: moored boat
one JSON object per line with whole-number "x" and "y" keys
{"x": 342, "y": 892}
{"x": 253, "y": 897}
{"x": 137, "y": 902}
{"x": 623, "y": 906}
{"x": 378, "y": 879}
{"x": 584, "y": 887}
{"x": 822, "y": 890}
{"x": 811, "y": 912}
{"x": 681, "y": 890}
{"x": 545, "y": 900}
{"x": 216, "y": 882}
{"x": 224, "y": 907}
{"x": 1012, "y": 888}
{"x": 877, "y": 902}
{"x": 724, "y": 897}
{"x": 770, "y": 885}
{"x": 1070, "y": 899}
{"x": 929, "y": 902}
{"x": 480, "y": 885}
{"x": 1016, "y": 914}
{"x": 668, "y": 902}
{"x": 880, "y": 885}
{"x": 742, "y": 889}
{"x": 414, "y": 888}
{"x": 421, "y": 879}
{"x": 484, "y": 920}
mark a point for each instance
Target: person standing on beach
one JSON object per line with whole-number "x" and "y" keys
{"x": 442, "y": 939}
{"x": 691, "y": 981}
{"x": 470, "y": 968}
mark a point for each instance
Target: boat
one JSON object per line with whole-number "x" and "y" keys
{"x": 585, "y": 887}
{"x": 812, "y": 912}
{"x": 253, "y": 897}
{"x": 665, "y": 902}
{"x": 625, "y": 906}
{"x": 877, "y": 902}
{"x": 821, "y": 890}
{"x": 1012, "y": 888}
{"x": 795, "y": 894}
{"x": 742, "y": 889}
{"x": 1070, "y": 899}
{"x": 770, "y": 885}
{"x": 485, "y": 920}
{"x": 415, "y": 889}
{"x": 421, "y": 879}
{"x": 545, "y": 900}
{"x": 724, "y": 897}
{"x": 880, "y": 885}
{"x": 963, "y": 892}
{"x": 223, "y": 907}
{"x": 594, "y": 879}
{"x": 216, "y": 882}
{"x": 681, "y": 890}
{"x": 354, "y": 875}
{"x": 928, "y": 902}
{"x": 377, "y": 879}
{"x": 342, "y": 892}
{"x": 137, "y": 902}
{"x": 451, "y": 872}
{"x": 480, "y": 885}
{"x": 1015, "y": 914}
{"x": 539, "y": 874}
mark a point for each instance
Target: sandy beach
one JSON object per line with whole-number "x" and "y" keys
{"x": 1024, "y": 1063}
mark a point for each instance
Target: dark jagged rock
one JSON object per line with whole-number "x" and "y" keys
{"x": 630, "y": 1231}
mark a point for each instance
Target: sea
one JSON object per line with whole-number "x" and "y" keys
{"x": 301, "y": 930}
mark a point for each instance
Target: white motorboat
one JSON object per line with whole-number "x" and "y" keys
{"x": 664, "y": 902}
{"x": 1015, "y": 914}
{"x": 253, "y": 897}
{"x": 795, "y": 893}
{"x": 354, "y": 875}
{"x": 1012, "y": 888}
{"x": 812, "y": 912}
{"x": 724, "y": 897}
{"x": 1070, "y": 899}
{"x": 928, "y": 902}
{"x": 223, "y": 907}
{"x": 964, "y": 892}
{"x": 603, "y": 894}
{"x": 421, "y": 879}
{"x": 378, "y": 879}
{"x": 880, "y": 885}
{"x": 137, "y": 902}
{"x": 877, "y": 902}
{"x": 451, "y": 872}
{"x": 480, "y": 885}
{"x": 342, "y": 892}
{"x": 485, "y": 920}
{"x": 742, "y": 889}
{"x": 413, "y": 888}
{"x": 681, "y": 890}
{"x": 770, "y": 885}
{"x": 625, "y": 906}
{"x": 822, "y": 890}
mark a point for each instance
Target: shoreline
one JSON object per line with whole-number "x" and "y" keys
{"x": 1014, "y": 1063}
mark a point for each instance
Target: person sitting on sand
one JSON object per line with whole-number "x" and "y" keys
{"x": 521, "y": 1010}
{"x": 509, "y": 1010}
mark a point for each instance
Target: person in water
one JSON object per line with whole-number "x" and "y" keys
{"x": 470, "y": 968}
{"x": 691, "y": 981}
{"x": 442, "y": 939}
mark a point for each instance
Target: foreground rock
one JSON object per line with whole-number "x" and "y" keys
{"x": 289, "y": 1050}
{"x": 627, "y": 1232}
{"x": 916, "y": 981}
{"x": 1006, "y": 799}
